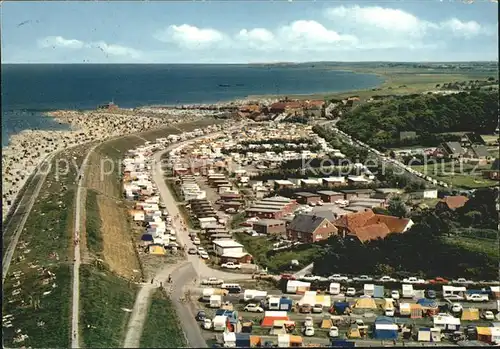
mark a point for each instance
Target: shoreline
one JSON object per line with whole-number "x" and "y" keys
{"x": 28, "y": 149}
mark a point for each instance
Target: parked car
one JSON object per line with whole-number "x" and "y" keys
{"x": 262, "y": 276}
{"x": 334, "y": 332}
{"x": 462, "y": 281}
{"x": 431, "y": 294}
{"x": 287, "y": 277}
{"x": 192, "y": 250}
{"x": 351, "y": 292}
{"x": 362, "y": 278}
{"x": 414, "y": 280}
{"x": 395, "y": 294}
{"x": 196, "y": 241}
{"x": 438, "y": 280}
{"x": 230, "y": 265}
{"x": 386, "y": 278}
{"x": 317, "y": 309}
{"x": 455, "y": 297}
{"x": 207, "y": 324}
{"x": 204, "y": 255}
{"x": 201, "y": 315}
{"x": 253, "y": 308}
{"x": 338, "y": 277}
{"x": 308, "y": 321}
{"x": 212, "y": 281}
{"x": 201, "y": 249}
{"x": 309, "y": 277}
{"x": 456, "y": 308}
{"x": 476, "y": 297}
{"x": 488, "y": 315}
{"x": 309, "y": 331}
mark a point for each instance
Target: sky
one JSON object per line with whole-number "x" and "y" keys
{"x": 259, "y": 31}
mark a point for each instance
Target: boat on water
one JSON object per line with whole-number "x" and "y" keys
{"x": 224, "y": 85}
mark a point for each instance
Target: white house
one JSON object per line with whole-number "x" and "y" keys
{"x": 227, "y": 247}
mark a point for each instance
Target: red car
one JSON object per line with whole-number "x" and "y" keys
{"x": 438, "y": 280}
{"x": 287, "y": 277}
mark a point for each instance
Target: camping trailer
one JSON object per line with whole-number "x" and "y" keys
{"x": 368, "y": 290}
{"x": 446, "y": 322}
{"x": 454, "y": 291}
{"x": 255, "y": 295}
{"x": 334, "y": 288}
{"x": 219, "y": 323}
{"x": 408, "y": 291}
{"x": 215, "y": 301}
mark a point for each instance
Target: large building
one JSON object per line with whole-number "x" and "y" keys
{"x": 274, "y": 207}
{"x": 308, "y": 228}
{"x": 366, "y": 225}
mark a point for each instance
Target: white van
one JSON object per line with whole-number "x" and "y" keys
{"x": 232, "y": 288}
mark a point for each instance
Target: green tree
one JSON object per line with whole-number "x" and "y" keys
{"x": 397, "y": 207}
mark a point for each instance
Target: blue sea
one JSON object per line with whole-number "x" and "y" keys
{"x": 28, "y": 90}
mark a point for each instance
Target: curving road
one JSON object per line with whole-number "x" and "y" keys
{"x": 182, "y": 273}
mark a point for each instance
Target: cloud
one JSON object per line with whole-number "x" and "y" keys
{"x": 393, "y": 28}
{"x": 59, "y": 41}
{"x": 257, "y": 34}
{"x": 466, "y": 29}
{"x": 311, "y": 33}
{"x": 117, "y": 50}
{"x": 189, "y": 36}
{"x": 73, "y": 44}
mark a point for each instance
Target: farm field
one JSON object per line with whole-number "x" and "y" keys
{"x": 401, "y": 80}
{"x": 480, "y": 245}
{"x": 161, "y": 329}
{"x": 37, "y": 289}
{"x": 458, "y": 175}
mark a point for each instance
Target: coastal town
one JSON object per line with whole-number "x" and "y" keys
{"x": 249, "y": 201}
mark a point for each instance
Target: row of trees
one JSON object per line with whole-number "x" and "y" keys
{"x": 379, "y": 123}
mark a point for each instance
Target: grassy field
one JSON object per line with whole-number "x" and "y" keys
{"x": 162, "y": 329}
{"x": 401, "y": 80}
{"x": 93, "y": 223}
{"x": 37, "y": 289}
{"x": 260, "y": 247}
{"x": 105, "y": 303}
{"x": 458, "y": 175}
{"x": 487, "y": 246}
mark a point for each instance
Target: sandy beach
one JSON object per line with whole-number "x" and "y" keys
{"x": 27, "y": 149}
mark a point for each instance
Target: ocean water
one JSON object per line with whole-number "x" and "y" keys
{"x": 29, "y": 90}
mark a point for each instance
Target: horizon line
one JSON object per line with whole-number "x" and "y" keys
{"x": 250, "y": 63}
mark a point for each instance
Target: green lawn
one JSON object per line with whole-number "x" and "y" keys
{"x": 45, "y": 242}
{"x": 105, "y": 300}
{"x": 261, "y": 249}
{"x": 162, "y": 328}
{"x": 93, "y": 223}
{"x": 464, "y": 176}
{"x": 479, "y": 245}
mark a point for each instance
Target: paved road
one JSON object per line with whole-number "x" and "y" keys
{"x": 304, "y": 271}
{"x": 75, "y": 313}
{"x": 202, "y": 269}
{"x": 181, "y": 276}
{"x": 142, "y": 303}
{"x": 192, "y": 329}
{"x": 42, "y": 174}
